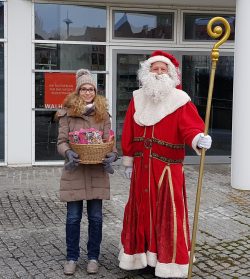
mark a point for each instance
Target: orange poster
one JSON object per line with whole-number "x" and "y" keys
{"x": 57, "y": 87}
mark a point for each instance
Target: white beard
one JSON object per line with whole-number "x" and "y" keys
{"x": 157, "y": 87}
{"x": 158, "y": 96}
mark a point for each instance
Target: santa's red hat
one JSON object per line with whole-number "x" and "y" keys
{"x": 162, "y": 56}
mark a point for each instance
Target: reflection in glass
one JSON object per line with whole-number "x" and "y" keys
{"x": 2, "y": 143}
{"x": 195, "y": 26}
{"x": 46, "y": 132}
{"x": 127, "y": 67}
{"x": 70, "y": 57}
{"x": 139, "y": 25}
{"x": 195, "y": 75}
{"x": 70, "y": 22}
{"x": 40, "y": 94}
{"x": 1, "y": 20}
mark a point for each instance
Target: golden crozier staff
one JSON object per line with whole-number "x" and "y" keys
{"x": 215, "y": 33}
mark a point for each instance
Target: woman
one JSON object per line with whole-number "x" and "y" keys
{"x": 83, "y": 109}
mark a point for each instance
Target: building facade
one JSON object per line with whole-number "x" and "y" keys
{"x": 43, "y": 43}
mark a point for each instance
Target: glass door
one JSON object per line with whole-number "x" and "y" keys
{"x": 126, "y": 83}
{"x": 195, "y": 81}
{"x": 195, "y": 69}
{"x": 125, "y": 66}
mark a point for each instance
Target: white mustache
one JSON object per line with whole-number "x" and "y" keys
{"x": 157, "y": 87}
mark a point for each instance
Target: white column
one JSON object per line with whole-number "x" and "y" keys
{"x": 19, "y": 82}
{"x": 241, "y": 100}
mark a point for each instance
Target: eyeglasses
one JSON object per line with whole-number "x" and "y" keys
{"x": 85, "y": 90}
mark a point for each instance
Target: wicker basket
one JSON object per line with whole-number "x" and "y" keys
{"x": 92, "y": 153}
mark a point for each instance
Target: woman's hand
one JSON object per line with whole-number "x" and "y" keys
{"x": 110, "y": 158}
{"x": 73, "y": 160}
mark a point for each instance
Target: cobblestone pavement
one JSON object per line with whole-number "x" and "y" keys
{"x": 32, "y": 230}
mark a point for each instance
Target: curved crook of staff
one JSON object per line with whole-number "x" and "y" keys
{"x": 215, "y": 33}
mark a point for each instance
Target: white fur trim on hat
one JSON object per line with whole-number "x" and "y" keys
{"x": 160, "y": 58}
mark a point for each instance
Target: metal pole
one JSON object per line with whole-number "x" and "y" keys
{"x": 215, "y": 33}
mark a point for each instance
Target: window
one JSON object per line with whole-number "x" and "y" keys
{"x": 195, "y": 79}
{"x": 2, "y": 89}
{"x": 70, "y": 23}
{"x": 46, "y": 133}
{"x": 70, "y": 57}
{"x": 52, "y": 88}
{"x": 1, "y": 20}
{"x": 127, "y": 82}
{"x": 57, "y": 62}
{"x": 143, "y": 25}
{"x": 195, "y": 26}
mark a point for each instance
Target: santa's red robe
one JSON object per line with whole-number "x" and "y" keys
{"x": 155, "y": 226}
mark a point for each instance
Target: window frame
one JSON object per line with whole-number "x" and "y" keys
{"x": 4, "y": 41}
{"x": 177, "y": 45}
{"x": 200, "y": 43}
{"x": 34, "y": 70}
{"x": 143, "y": 40}
{"x": 69, "y": 4}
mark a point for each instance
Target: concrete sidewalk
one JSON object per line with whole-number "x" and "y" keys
{"x": 32, "y": 226}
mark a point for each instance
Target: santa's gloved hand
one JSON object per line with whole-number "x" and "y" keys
{"x": 110, "y": 158}
{"x": 73, "y": 160}
{"x": 128, "y": 172}
{"x": 204, "y": 141}
{"x": 108, "y": 168}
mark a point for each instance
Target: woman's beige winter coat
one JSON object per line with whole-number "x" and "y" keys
{"x": 85, "y": 182}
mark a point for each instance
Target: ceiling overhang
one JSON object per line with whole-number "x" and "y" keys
{"x": 156, "y": 3}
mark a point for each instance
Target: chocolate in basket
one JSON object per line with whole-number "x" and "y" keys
{"x": 94, "y": 136}
{"x": 86, "y": 136}
{"x": 74, "y": 137}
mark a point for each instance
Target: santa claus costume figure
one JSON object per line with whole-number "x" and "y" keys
{"x": 160, "y": 120}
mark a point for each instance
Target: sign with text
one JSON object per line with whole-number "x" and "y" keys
{"x": 57, "y": 87}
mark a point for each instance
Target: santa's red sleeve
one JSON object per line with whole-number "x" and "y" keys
{"x": 191, "y": 125}
{"x": 128, "y": 135}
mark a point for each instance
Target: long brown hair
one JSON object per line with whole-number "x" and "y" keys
{"x": 76, "y": 105}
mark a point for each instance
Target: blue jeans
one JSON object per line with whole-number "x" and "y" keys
{"x": 74, "y": 216}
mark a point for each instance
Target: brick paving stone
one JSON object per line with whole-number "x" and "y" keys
{"x": 32, "y": 226}
{"x": 244, "y": 272}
